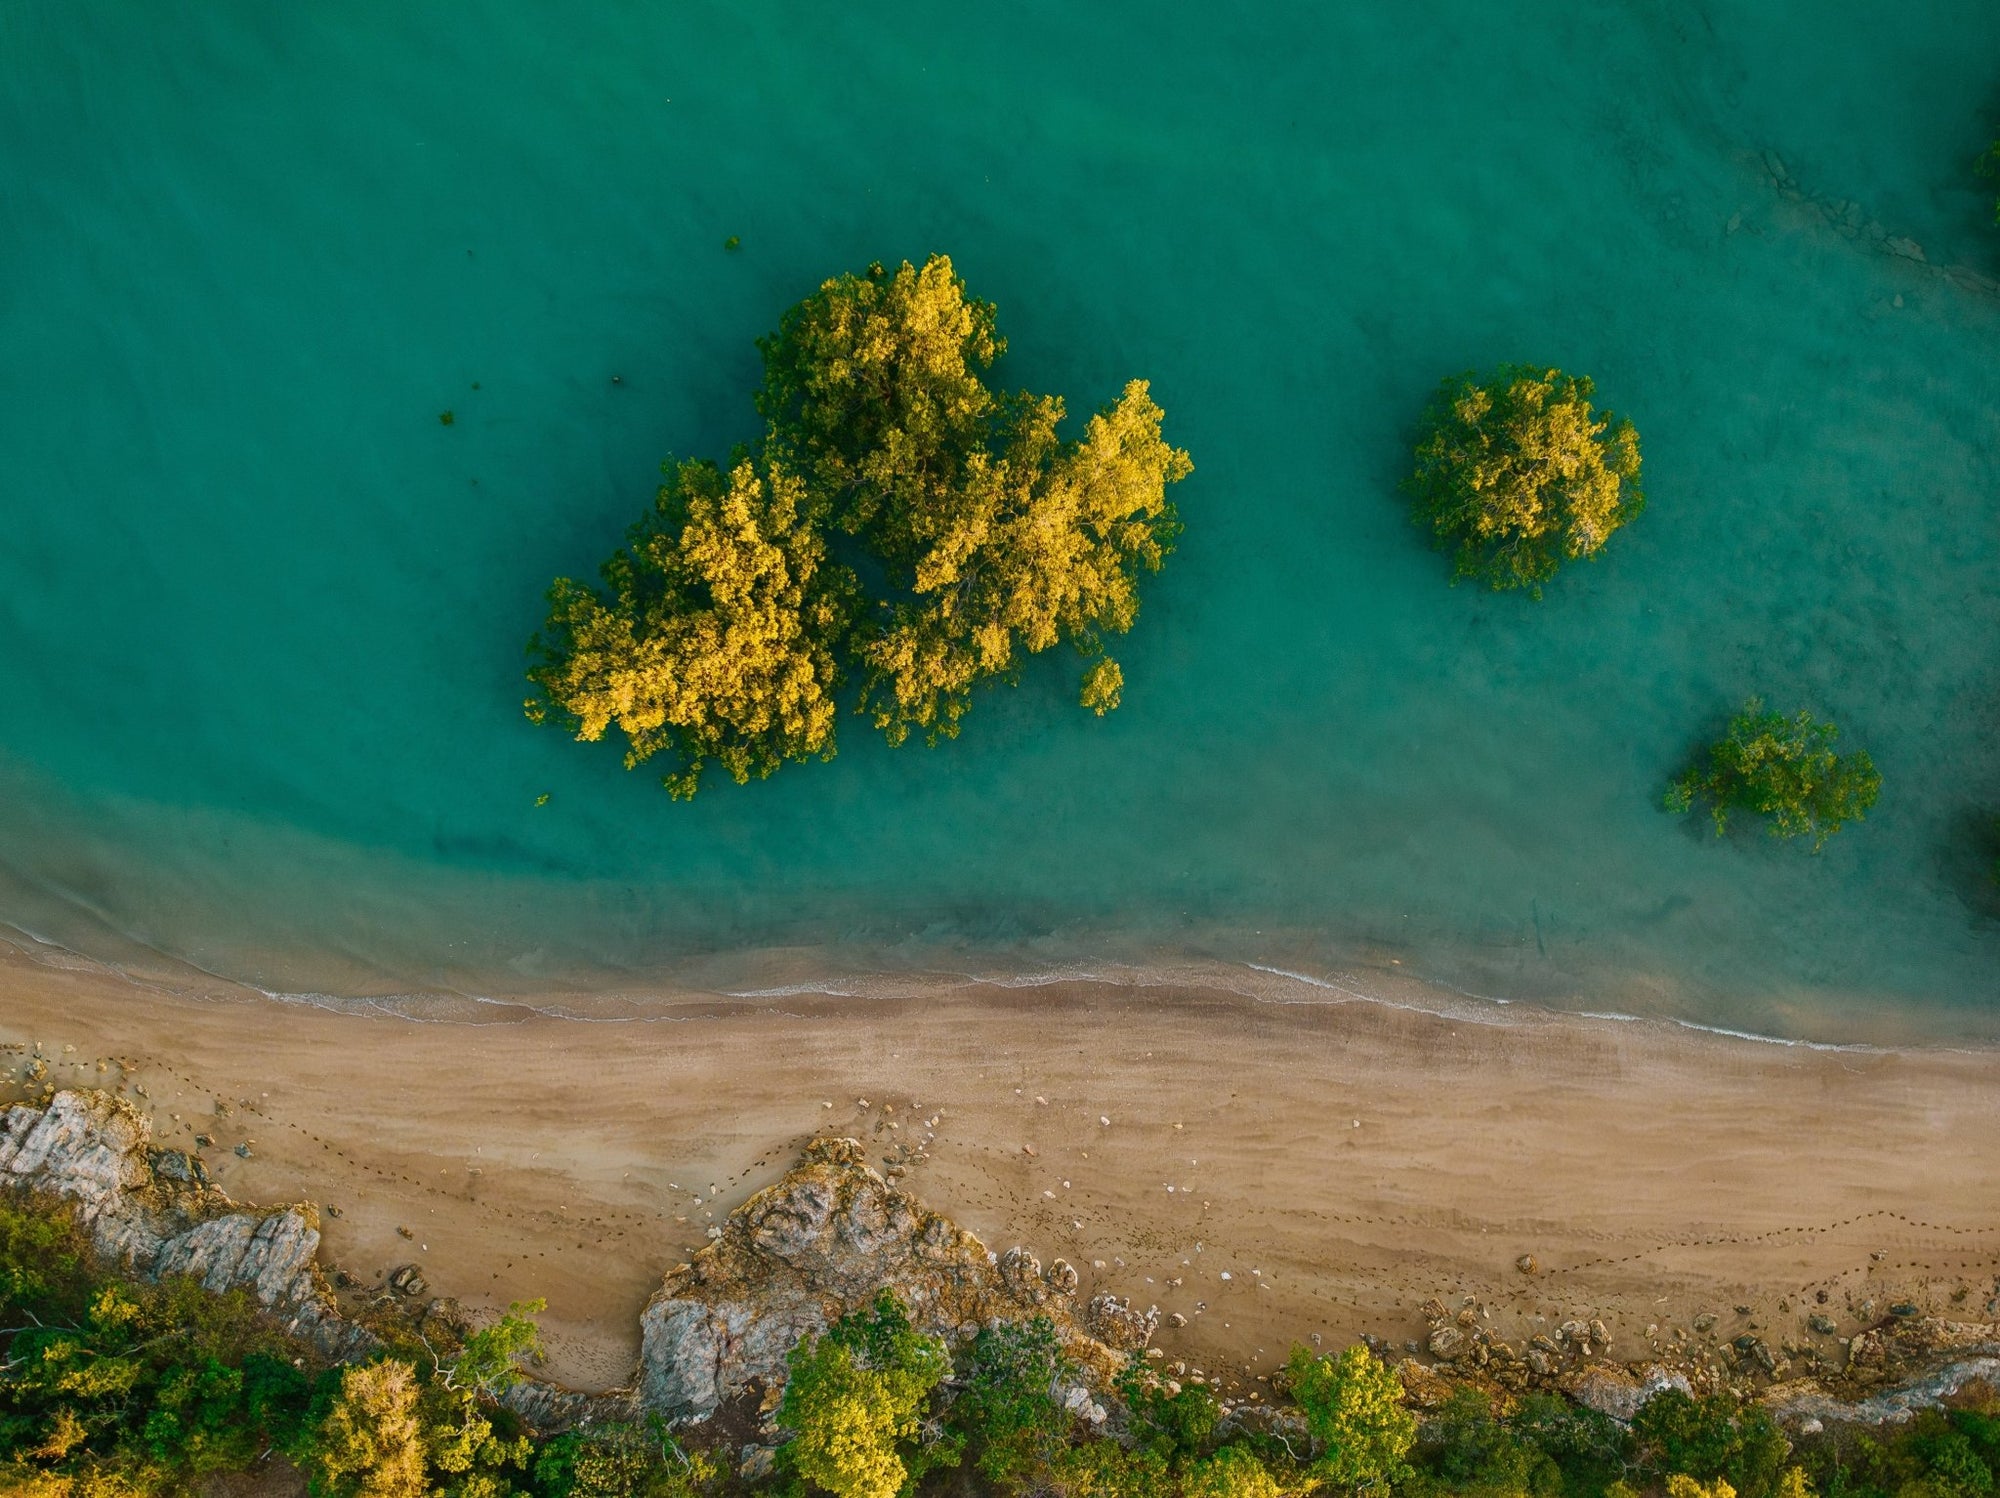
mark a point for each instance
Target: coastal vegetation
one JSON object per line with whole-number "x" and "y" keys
{"x": 1517, "y": 474}
{"x": 111, "y": 1386}
{"x": 901, "y": 523}
{"x": 1783, "y": 768}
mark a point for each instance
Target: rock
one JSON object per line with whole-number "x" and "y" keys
{"x": 1909, "y": 249}
{"x": 1598, "y": 1335}
{"x": 1903, "y": 1309}
{"x": 1619, "y": 1392}
{"x": 180, "y": 1167}
{"x": 1177, "y": 1320}
{"x": 1449, "y": 1343}
{"x": 821, "y": 1242}
{"x": 1111, "y": 1319}
{"x": 1822, "y": 1324}
{"x": 1704, "y": 1322}
{"x": 1425, "y": 1388}
{"x": 1540, "y": 1363}
{"x": 1062, "y": 1277}
{"x": 757, "y": 1463}
{"x": 408, "y": 1280}
{"x": 1526, "y": 1264}
{"x": 156, "y": 1213}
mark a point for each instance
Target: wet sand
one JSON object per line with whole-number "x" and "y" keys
{"x": 1342, "y": 1162}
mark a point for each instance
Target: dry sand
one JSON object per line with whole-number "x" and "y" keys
{"x": 1340, "y": 1162}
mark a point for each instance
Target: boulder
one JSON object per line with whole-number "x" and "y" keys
{"x": 155, "y": 1212}
{"x": 822, "y": 1242}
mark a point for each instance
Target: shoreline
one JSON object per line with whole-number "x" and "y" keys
{"x": 1345, "y": 1161}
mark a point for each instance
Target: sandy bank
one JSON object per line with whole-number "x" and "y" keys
{"x": 1339, "y": 1163}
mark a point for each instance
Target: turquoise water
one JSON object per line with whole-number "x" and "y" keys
{"x": 261, "y": 613}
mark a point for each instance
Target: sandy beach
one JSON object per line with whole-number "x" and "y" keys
{"x": 1338, "y": 1163}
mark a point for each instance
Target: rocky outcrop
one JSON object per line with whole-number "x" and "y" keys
{"x": 822, "y": 1242}
{"x": 155, "y": 1211}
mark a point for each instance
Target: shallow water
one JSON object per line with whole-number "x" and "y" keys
{"x": 261, "y": 613}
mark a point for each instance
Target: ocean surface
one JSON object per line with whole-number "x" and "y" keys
{"x": 262, "y": 612}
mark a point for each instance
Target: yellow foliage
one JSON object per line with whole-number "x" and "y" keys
{"x": 1044, "y": 541}
{"x": 1682, "y": 1486}
{"x": 716, "y": 640}
{"x": 1519, "y": 474}
{"x": 371, "y": 1443}
{"x": 722, "y": 626}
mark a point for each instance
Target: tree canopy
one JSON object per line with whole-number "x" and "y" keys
{"x": 1353, "y": 1406}
{"x": 1517, "y": 474}
{"x": 855, "y": 1401}
{"x": 724, "y": 629}
{"x": 1784, "y": 768}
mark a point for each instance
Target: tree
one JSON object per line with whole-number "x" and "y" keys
{"x": 1518, "y": 474}
{"x": 723, "y": 630}
{"x": 487, "y": 1361}
{"x": 1353, "y": 1406}
{"x": 1008, "y": 1408}
{"x": 1711, "y": 1439}
{"x": 714, "y": 637}
{"x": 1784, "y": 768}
{"x": 1043, "y": 542}
{"x": 370, "y": 1444}
{"x": 1229, "y": 1472}
{"x": 855, "y": 1402}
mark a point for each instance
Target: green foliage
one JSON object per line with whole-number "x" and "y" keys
{"x": 1104, "y": 1469}
{"x": 855, "y": 1402}
{"x": 1784, "y": 768}
{"x": 723, "y": 629}
{"x": 129, "y": 1387}
{"x": 621, "y": 1461}
{"x": 1715, "y": 1437}
{"x": 1174, "y": 1422}
{"x": 1353, "y": 1406}
{"x": 1518, "y": 474}
{"x": 1467, "y": 1450}
{"x": 1008, "y": 1409}
{"x": 486, "y": 1362}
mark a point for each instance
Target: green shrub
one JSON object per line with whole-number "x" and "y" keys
{"x": 1784, "y": 768}
{"x": 1008, "y": 1410}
